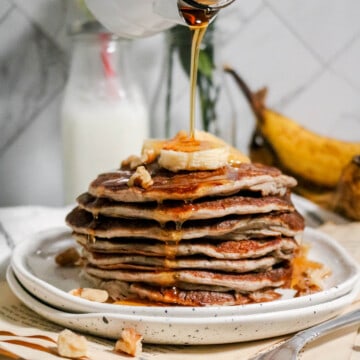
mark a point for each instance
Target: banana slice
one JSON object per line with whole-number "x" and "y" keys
{"x": 204, "y": 152}
{"x": 198, "y": 160}
{"x": 151, "y": 148}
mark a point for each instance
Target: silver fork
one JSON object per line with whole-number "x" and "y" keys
{"x": 289, "y": 349}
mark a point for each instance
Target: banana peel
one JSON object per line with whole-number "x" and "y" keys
{"x": 347, "y": 196}
{"x": 327, "y": 169}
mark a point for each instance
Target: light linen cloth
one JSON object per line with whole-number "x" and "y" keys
{"x": 20, "y": 222}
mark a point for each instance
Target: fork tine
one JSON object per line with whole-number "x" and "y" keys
{"x": 289, "y": 349}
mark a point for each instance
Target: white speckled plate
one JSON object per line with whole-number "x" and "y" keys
{"x": 313, "y": 214}
{"x": 191, "y": 330}
{"x": 34, "y": 266}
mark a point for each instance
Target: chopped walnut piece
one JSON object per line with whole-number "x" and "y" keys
{"x": 130, "y": 342}
{"x": 68, "y": 257}
{"x": 71, "y": 345}
{"x": 96, "y": 295}
{"x": 133, "y": 161}
{"x": 141, "y": 177}
{"x": 149, "y": 156}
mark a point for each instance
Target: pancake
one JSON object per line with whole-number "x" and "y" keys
{"x": 167, "y": 185}
{"x": 179, "y": 211}
{"x": 202, "y": 297}
{"x": 124, "y": 292}
{"x": 153, "y": 263}
{"x": 287, "y": 224}
{"x": 252, "y": 281}
{"x": 233, "y": 250}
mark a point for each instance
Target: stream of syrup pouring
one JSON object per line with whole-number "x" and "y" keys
{"x": 198, "y": 19}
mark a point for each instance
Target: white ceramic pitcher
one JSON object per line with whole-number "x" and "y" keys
{"x": 141, "y": 18}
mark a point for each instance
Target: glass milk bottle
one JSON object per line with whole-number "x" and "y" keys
{"x": 104, "y": 117}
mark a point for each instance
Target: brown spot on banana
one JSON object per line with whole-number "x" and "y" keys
{"x": 347, "y": 196}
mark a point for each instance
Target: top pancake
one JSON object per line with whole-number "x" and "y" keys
{"x": 192, "y": 185}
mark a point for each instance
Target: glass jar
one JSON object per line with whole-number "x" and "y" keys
{"x": 170, "y": 109}
{"x": 104, "y": 116}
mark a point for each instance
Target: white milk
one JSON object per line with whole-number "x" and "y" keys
{"x": 97, "y": 136}
{"x": 104, "y": 116}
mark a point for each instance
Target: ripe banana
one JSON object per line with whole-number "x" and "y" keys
{"x": 315, "y": 160}
{"x": 204, "y": 152}
{"x": 312, "y": 157}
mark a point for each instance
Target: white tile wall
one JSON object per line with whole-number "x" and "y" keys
{"x": 33, "y": 72}
{"x": 347, "y": 64}
{"x": 233, "y": 19}
{"x": 33, "y": 162}
{"x": 5, "y": 6}
{"x": 325, "y": 26}
{"x": 329, "y": 106}
{"x": 307, "y": 53}
{"x": 49, "y": 15}
{"x": 267, "y": 53}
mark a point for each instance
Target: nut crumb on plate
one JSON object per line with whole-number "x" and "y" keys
{"x": 96, "y": 295}
{"x": 130, "y": 342}
{"x": 68, "y": 257}
{"x": 71, "y": 345}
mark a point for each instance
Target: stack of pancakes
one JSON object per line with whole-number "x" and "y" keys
{"x": 193, "y": 238}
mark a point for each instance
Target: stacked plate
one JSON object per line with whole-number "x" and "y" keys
{"x": 43, "y": 286}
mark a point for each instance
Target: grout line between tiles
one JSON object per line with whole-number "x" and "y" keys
{"x": 21, "y": 129}
{"x": 61, "y": 59}
{"x": 326, "y": 65}
{"x": 246, "y": 20}
{"x": 44, "y": 34}
{"x": 7, "y": 13}
{"x": 294, "y": 32}
{"x": 337, "y": 55}
{"x": 288, "y": 98}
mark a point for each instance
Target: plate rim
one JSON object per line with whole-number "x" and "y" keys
{"x": 327, "y": 310}
{"x": 81, "y": 305}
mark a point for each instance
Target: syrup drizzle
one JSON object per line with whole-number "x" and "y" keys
{"x": 198, "y": 21}
{"x": 29, "y": 345}
{"x": 195, "y": 51}
{"x": 10, "y": 354}
{"x": 42, "y": 337}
